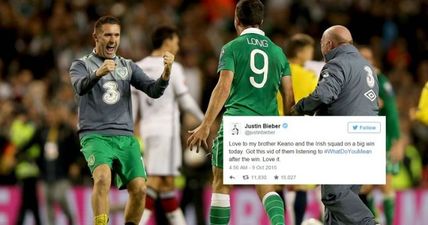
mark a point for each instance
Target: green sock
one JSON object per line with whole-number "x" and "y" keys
{"x": 274, "y": 207}
{"x": 388, "y": 209}
{"x": 220, "y": 209}
{"x": 219, "y": 215}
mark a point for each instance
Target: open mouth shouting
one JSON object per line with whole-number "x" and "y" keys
{"x": 110, "y": 50}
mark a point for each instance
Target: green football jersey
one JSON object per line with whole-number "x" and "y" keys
{"x": 258, "y": 65}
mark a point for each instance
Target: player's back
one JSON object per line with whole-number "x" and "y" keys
{"x": 359, "y": 88}
{"x": 258, "y": 65}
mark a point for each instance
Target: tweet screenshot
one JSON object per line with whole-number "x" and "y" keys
{"x": 304, "y": 150}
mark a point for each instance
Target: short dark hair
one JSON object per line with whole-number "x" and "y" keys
{"x": 106, "y": 20}
{"x": 296, "y": 43}
{"x": 250, "y": 12}
{"x": 162, "y": 33}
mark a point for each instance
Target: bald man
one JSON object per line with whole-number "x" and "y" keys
{"x": 347, "y": 87}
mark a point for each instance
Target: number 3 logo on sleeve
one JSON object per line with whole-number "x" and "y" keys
{"x": 263, "y": 70}
{"x": 370, "y": 78}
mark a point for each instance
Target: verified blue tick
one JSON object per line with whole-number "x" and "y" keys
{"x": 284, "y": 125}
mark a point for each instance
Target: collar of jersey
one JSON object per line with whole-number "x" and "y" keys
{"x": 343, "y": 48}
{"x": 252, "y": 30}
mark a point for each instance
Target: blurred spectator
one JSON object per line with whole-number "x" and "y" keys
{"x": 410, "y": 173}
{"x": 59, "y": 152}
{"x": 7, "y": 161}
{"x": 27, "y": 171}
{"x": 9, "y": 33}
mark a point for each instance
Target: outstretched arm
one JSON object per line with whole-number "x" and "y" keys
{"x": 218, "y": 98}
{"x": 328, "y": 89}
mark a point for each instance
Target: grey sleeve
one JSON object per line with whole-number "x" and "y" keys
{"x": 328, "y": 89}
{"x": 81, "y": 79}
{"x": 140, "y": 80}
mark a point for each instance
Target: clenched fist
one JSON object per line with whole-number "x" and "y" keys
{"x": 168, "y": 59}
{"x": 108, "y": 66}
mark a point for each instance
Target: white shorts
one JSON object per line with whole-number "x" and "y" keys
{"x": 162, "y": 155}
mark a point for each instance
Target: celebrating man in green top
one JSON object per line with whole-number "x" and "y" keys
{"x": 252, "y": 69}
